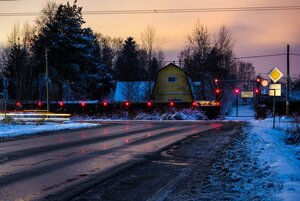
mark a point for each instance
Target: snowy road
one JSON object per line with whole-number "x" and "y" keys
{"x": 43, "y": 166}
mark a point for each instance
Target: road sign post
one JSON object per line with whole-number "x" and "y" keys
{"x": 275, "y": 74}
{"x": 275, "y": 89}
{"x": 274, "y": 107}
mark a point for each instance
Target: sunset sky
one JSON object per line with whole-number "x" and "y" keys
{"x": 254, "y": 32}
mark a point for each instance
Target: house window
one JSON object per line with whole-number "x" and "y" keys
{"x": 172, "y": 79}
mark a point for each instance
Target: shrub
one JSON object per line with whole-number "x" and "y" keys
{"x": 261, "y": 112}
{"x": 293, "y": 133}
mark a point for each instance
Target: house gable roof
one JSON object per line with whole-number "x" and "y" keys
{"x": 172, "y": 64}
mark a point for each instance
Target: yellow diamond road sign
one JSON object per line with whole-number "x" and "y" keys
{"x": 275, "y": 74}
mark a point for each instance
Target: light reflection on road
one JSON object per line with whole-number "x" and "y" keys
{"x": 34, "y": 168}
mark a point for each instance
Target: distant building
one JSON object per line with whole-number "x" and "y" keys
{"x": 132, "y": 91}
{"x": 172, "y": 84}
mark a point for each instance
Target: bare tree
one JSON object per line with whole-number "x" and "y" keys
{"x": 225, "y": 45}
{"x": 151, "y": 44}
{"x": 199, "y": 42}
{"x": 246, "y": 72}
{"x": 195, "y": 55}
{"x": 47, "y": 14}
{"x": 17, "y": 60}
{"x": 134, "y": 91}
{"x": 109, "y": 48}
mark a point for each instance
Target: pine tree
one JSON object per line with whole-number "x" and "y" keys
{"x": 72, "y": 53}
{"x": 128, "y": 66}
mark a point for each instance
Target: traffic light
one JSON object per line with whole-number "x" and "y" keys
{"x": 217, "y": 81}
{"x": 236, "y": 91}
{"x": 217, "y": 89}
{"x": 217, "y": 93}
{"x": 257, "y": 81}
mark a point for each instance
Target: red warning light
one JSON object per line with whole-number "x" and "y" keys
{"x": 172, "y": 104}
{"x": 61, "y": 103}
{"x": 194, "y": 103}
{"x": 105, "y": 103}
{"x": 127, "y": 103}
{"x": 149, "y": 103}
{"x": 256, "y": 90}
{"x": 39, "y": 103}
{"x": 236, "y": 91}
{"x": 217, "y": 91}
{"x": 218, "y": 103}
{"x": 18, "y": 104}
{"x": 83, "y": 103}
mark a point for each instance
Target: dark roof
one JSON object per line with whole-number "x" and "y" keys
{"x": 176, "y": 67}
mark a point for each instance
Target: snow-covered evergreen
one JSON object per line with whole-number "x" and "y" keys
{"x": 73, "y": 54}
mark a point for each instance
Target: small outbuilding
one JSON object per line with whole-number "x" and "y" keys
{"x": 172, "y": 84}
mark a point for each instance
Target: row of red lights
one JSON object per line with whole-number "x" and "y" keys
{"x": 105, "y": 103}
{"x": 237, "y": 91}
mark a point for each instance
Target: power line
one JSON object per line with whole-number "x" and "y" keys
{"x": 260, "y": 56}
{"x": 170, "y": 11}
{"x": 246, "y": 57}
{"x": 243, "y": 57}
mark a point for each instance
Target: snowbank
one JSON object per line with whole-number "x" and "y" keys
{"x": 184, "y": 114}
{"x": 269, "y": 146}
{"x": 30, "y": 128}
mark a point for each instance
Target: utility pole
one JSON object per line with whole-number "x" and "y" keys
{"x": 288, "y": 82}
{"x": 47, "y": 79}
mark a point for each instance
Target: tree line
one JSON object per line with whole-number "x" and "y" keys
{"x": 84, "y": 64}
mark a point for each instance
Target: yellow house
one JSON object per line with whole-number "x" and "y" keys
{"x": 172, "y": 84}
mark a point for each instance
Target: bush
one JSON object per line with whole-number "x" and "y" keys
{"x": 293, "y": 133}
{"x": 261, "y": 111}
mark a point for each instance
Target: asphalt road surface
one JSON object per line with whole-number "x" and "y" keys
{"x": 62, "y": 165}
